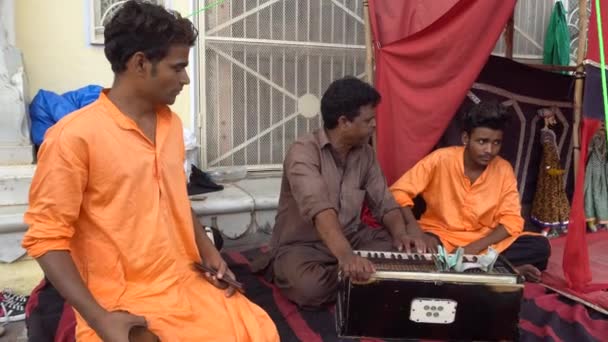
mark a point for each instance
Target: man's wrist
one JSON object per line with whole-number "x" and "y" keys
{"x": 95, "y": 316}
{"x": 478, "y": 245}
{"x": 413, "y": 229}
{"x": 208, "y": 252}
{"x": 398, "y": 232}
{"x": 343, "y": 255}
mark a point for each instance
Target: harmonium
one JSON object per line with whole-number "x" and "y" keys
{"x": 408, "y": 298}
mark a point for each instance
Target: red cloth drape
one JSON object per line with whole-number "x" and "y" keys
{"x": 428, "y": 54}
{"x": 593, "y": 46}
{"x": 576, "y": 256}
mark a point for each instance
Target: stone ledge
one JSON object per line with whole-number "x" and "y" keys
{"x": 240, "y": 208}
{"x": 15, "y": 181}
{"x": 11, "y": 218}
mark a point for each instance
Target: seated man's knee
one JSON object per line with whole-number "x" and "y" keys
{"x": 312, "y": 289}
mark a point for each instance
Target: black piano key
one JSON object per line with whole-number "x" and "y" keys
{"x": 399, "y": 256}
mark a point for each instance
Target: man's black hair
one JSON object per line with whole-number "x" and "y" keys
{"x": 345, "y": 97}
{"x": 488, "y": 113}
{"x": 146, "y": 27}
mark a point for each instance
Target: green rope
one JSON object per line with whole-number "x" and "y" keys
{"x": 210, "y": 6}
{"x": 602, "y": 60}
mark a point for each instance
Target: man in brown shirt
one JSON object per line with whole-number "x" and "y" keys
{"x": 327, "y": 176}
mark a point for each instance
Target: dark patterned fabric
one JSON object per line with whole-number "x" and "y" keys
{"x": 524, "y": 90}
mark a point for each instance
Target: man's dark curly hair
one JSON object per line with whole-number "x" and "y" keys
{"x": 142, "y": 26}
{"x": 489, "y": 114}
{"x": 345, "y": 97}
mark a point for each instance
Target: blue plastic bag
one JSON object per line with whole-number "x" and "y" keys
{"x": 47, "y": 108}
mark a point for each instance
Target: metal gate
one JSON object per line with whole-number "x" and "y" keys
{"x": 264, "y": 66}
{"x": 531, "y": 19}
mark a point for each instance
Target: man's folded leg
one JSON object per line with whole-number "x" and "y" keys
{"x": 529, "y": 249}
{"x": 306, "y": 274}
{"x": 530, "y": 255}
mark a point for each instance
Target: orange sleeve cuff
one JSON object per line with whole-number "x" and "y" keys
{"x": 402, "y": 198}
{"x": 38, "y": 247}
{"x": 514, "y": 224}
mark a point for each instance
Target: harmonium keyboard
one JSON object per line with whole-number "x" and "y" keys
{"x": 407, "y": 298}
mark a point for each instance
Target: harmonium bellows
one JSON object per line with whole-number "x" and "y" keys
{"x": 407, "y": 298}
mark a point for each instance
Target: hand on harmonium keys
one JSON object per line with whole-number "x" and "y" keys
{"x": 357, "y": 268}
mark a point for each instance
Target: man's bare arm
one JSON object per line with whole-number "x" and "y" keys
{"x": 393, "y": 221}
{"x": 330, "y": 231}
{"x": 59, "y": 268}
{"x": 498, "y": 234}
{"x": 211, "y": 256}
{"x": 205, "y": 246}
{"x": 414, "y": 230}
{"x": 410, "y": 221}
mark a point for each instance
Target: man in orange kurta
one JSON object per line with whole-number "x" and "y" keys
{"x": 109, "y": 217}
{"x": 471, "y": 196}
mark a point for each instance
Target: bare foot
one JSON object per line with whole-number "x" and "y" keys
{"x": 529, "y": 272}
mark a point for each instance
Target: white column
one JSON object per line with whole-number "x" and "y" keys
{"x": 7, "y": 21}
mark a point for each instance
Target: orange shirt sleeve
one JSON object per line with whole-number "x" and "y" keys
{"x": 56, "y": 193}
{"x": 414, "y": 181}
{"x": 509, "y": 208}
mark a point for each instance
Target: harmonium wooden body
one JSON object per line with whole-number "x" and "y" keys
{"x": 407, "y": 298}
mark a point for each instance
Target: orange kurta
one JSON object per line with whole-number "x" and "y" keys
{"x": 118, "y": 203}
{"x": 457, "y": 211}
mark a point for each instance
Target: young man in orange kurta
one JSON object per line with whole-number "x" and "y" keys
{"x": 471, "y": 196}
{"x": 109, "y": 218}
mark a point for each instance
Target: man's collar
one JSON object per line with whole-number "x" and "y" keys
{"x": 125, "y": 122}
{"x": 322, "y": 137}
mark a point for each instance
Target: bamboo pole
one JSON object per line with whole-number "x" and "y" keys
{"x": 578, "y": 85}
{"x": 369, "y": 50}
{"x": 369, "y": 58}
{"x": 509, "y": 32}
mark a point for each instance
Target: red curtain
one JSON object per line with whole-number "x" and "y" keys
{"x": 576, "y": 256}
{"x": 428, "y": 54}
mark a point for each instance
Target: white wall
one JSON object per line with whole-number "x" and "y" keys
{"x": 54, "y": 39}
{"x": 7, "y": 19}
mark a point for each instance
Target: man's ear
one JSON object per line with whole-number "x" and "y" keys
{"x": 465, "y": 138}
{"x": 138, "y": 63}
{"x": 343, "y": 121}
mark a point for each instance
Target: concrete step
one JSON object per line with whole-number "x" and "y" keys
{"x": 241, "y": 208}
{"x": 16, "y": 154}
{"x": 11, "y": 218}
{"x": 265, "y": 193}
{"x": 12, "y": 229}
{"x": 15, "y": 183}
